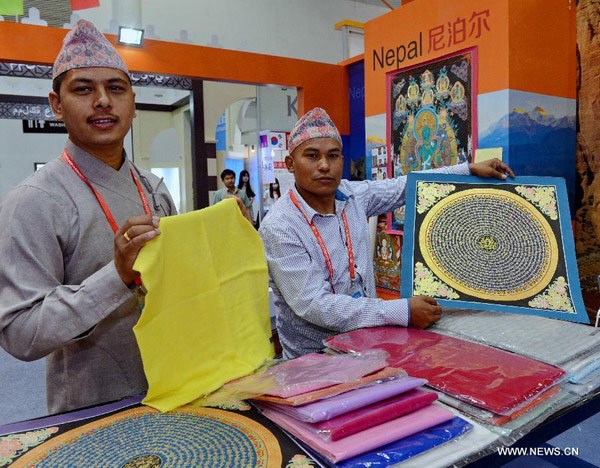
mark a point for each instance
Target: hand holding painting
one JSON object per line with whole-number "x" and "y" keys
{"x": 424, "y": 311}
{"x": 491, "y": 168}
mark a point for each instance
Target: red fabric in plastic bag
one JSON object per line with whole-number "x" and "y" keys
{"x": 480, "y": 375}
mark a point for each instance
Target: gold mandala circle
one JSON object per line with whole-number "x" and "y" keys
{"x": 489, "y": 244}
{"x": 264, "y": 442}
{"x": 144, "y": 461}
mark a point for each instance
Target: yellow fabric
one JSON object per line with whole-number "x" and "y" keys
{"x": 206, "y": 317}
{"x": 486, "y": 154}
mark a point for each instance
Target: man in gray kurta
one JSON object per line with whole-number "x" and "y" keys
{"x": 67, "y": 286}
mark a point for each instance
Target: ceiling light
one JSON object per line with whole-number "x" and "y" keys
{"x": 131, "y": 36}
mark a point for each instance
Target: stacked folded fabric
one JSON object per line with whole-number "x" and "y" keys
{"x": 493, "y": 385}
{"x": 385, "y": 417}
{"x": 573, "y": 347}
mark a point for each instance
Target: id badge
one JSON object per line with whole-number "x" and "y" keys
{"x": 355, "y": 283}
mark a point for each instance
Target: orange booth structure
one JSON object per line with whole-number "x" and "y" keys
{"x": 444, "y": 79}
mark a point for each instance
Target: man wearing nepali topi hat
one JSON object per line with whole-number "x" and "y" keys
{"x": 70, "y": 233}
{"x": 318, "y": 246}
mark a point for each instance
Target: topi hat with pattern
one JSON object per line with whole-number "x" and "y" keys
{"x": 314, "y": 124}
{"x": 86, "y": 47}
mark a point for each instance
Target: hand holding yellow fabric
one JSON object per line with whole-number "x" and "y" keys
{"x": 206, "y": 316}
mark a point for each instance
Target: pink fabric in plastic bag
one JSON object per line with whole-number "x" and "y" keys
{"x": 480, "y": 375}
{"x": 349, "y": 401}
{"x": 376, "y": 378}
{"x": 363, "y": 441}
{"x": 374, "y": 415}
{"x": 315, "y": 371}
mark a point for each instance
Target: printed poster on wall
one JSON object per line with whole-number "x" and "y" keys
{"x": 386, "y": 264}
{"x": 274, "y": 171}
{"x": 431, "y": 118}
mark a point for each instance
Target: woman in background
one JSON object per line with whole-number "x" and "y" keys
{"x": 244, "y": 184}
{"x": 272, "y": 194}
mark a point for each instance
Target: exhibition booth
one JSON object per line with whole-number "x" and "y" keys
{"x": 513, "y": 360}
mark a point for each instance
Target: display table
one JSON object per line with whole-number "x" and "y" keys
{"x": 128, "y": 432}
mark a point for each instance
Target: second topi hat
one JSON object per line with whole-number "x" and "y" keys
{"x": 86, "y": 47}
{"x": 314, "y": 124}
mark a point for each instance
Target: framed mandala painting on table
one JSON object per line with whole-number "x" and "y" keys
{"x": 487, "y": 244}
{"x": 131, "y": 435}
{"x": 431, "y": 117}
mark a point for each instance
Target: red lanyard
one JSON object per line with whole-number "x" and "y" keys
{"x": 66, "y": 158}
{"x": 111, "y": 220}
{"x": 322, "y": 243}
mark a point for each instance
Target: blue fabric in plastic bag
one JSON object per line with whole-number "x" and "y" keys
{"x": 408, "y": 447}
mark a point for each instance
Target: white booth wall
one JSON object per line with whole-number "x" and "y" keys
{"x": 19, "y": 151}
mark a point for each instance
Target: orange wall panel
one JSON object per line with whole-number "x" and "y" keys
{"x": 422, "y": 20}
{"x": 542, "y": 50}
{"x": 528, "y": 45}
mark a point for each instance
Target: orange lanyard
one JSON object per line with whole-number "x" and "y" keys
{"x": 322, "y": 243}
{"x": 111, "y": 220}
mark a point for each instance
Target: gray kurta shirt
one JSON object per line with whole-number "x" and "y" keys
{"x": 60, "y": 294}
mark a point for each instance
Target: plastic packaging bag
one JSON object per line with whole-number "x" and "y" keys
{"x": 555, "y": 342}
{"x": 284, "y": 379}
{"x": 376, "y": 378}
{"x": 480, "y": 375}
{"x": 315, "y": 371}
{"x": 408, "y": 447}
{"x": 373, "y": 415}
{"x": 477, "y": 442}
{"x": 361, "y": 442}
{"x": 494, "y": 419}
{"x": 581, "y": 371}
{"x": 354, "y": 399}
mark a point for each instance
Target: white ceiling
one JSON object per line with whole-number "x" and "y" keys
{"x": 144, "y": 95}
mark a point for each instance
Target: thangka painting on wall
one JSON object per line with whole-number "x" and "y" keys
{"x": 495, "y": 245}
{"x": 386, "y": 263}
{"x": 431, "y": 118}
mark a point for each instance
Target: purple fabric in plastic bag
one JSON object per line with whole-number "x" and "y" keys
{"x": 314, "y": 371}
{"x": 410, "y": 446}
{"x": 331, "y": 407}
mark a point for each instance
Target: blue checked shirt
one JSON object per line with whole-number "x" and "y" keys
{"x": 308, "y": 310}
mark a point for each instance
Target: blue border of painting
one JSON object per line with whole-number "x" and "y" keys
{"x": 568, "y": 244}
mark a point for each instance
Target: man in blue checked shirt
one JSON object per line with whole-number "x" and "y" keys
{"x": 318, "y": 246}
